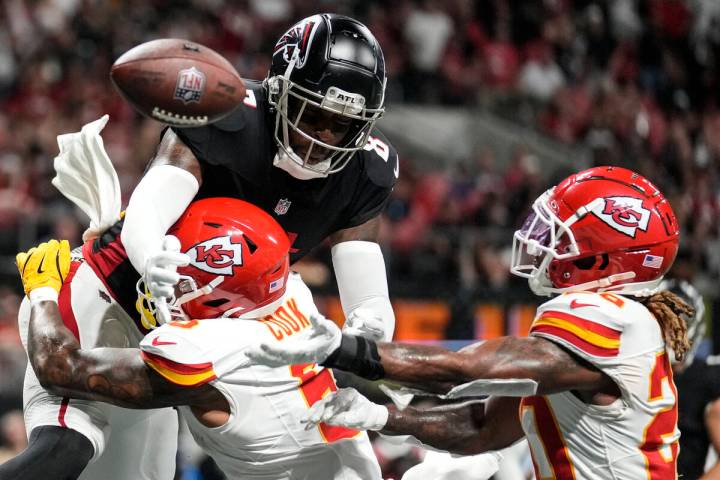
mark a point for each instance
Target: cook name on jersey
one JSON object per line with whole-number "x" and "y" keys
{"x": 236, "y": 158}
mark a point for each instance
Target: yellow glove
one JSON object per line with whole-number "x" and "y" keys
{"x": 46, "y": 265}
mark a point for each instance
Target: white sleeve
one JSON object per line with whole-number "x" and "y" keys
{"x": 362, "y": 282}
{"x": 160, "y": 198}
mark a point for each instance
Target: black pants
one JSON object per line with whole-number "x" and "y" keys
{"x": 53, "y": 453}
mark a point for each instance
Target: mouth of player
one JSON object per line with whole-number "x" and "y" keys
{"x": 318, "y": 154}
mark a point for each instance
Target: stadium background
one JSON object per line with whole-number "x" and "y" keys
{"x": 488, "y": 103}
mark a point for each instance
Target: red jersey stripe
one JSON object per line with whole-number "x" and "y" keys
{"x": 594, "y": 327}
{"x": 65, "y": 302}
{"x": 576, "y": 341}
{"x": 181, "y": 368}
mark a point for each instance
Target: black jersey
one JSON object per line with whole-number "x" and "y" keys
{"x": 236, "y": 157}
{"x": 697, "y": 386}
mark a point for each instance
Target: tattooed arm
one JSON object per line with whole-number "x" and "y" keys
{"x": 114, "y": 375}
{"x": 463, "y": 429}
{"x": 437, "y": 369}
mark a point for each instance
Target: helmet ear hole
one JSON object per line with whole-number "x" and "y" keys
{"x": 252, "y": 246}
{"x": 585, "y": 263}
{"x": 215, "y": 303}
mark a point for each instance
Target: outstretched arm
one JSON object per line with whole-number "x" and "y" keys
{"x": 436, "y": 369}
{"x": 463, "y": 429}
{"x": 114, "y": 375}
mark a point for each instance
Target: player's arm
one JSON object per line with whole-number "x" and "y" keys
{"x": 434, "y": 368}
{"x": 113, "y": 375}
{"x": 712, "y": 424}
{"x": 171, "y": 182}
{"x": 463, "y": 429}
{"x": 554, "y": 368}
{"x": 362, "y": 280}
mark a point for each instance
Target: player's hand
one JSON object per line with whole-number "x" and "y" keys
{"x": 46, "y": 265}
{"x": 161, "y": 268}
{"x": 347, "y": 408}
{"x": 363, "y": 322}
{"x": 311, "y": 346}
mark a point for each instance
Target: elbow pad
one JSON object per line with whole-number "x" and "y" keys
{"x": 362, "y": 282}
{"x": 160, "y": 198}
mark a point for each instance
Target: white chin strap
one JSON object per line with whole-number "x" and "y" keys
{"x": 285, "y": 161}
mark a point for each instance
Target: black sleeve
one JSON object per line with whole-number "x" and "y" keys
{"x": 368, "y": 204}
{"x": 53, "y": 453}
{"x": 196, "y": 139}
{"x": 380, "y": 166}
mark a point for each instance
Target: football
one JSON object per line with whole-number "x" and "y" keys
{"x": 178, "y": 82}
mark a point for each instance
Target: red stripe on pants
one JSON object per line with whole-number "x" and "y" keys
{"x": 65, "y": 302}
{"x": 63, "y": 409}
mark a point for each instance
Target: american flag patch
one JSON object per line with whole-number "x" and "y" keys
{"x": 653, "y": 261}
{"x": 276, "y": 285}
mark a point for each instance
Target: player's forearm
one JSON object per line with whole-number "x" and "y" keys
{"x": 460, "y": 428}
{"x": 436, "y": 369}
{"x": 113, "y": 375}
{"x": 429, "y": 367}
{"x": 451, "y": 429}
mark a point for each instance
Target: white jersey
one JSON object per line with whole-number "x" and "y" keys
{"x": 636, "y": 437}
{"x": 128, "y": 444}
{"x": 264, "y": 437}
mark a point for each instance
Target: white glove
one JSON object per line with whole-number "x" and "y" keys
{"x": 443, "y": 466}
{"x": 312, "y": 346}
{"x": 363, "y": 322}
{"x": 161, "y": 274}
{"x": 347, "y": 408}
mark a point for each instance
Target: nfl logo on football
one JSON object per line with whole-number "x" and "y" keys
{"x": 282, "y": 206}
{"x": 190, "y": 85}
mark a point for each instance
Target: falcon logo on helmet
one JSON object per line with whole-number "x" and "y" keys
{"x": 624, "y": 214}
{"x": 298, "y": 37}
{"x": 218, "y": 255}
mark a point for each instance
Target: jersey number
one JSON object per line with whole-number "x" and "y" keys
{"x": 314, "y": 387}
{"x": 659, "y": 452}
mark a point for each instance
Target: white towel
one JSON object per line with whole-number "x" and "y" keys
{"x": 85, "y": 175}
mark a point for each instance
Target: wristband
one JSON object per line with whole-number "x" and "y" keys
{"x": 357, "y": 355}
{"x": 42, "y": 294}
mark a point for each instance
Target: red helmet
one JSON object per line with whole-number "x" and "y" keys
{"x": 603, "y": 229}
{"x": 239, "y": 259}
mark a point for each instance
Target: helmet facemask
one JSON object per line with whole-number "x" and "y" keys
{"x": 186, "y": 287}
{"x": 545, "y": 238}
{"x": 293, "y": 103}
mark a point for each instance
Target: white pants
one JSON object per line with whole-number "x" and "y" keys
{"x": 128, "y": 444}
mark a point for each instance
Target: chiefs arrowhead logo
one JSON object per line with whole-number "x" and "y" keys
{"x": 624, "y": 214}
{"x": 218, "y": 255}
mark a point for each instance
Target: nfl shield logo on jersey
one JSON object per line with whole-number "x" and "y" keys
{"x": 190, "y": 85}
{"x": 282, "y": 206}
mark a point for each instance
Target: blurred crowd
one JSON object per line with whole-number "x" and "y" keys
{"x": 637, "y": 81}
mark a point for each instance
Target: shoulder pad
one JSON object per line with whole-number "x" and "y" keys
{"x": 380, "y": 160}
{"x": 176, "y": 341}
{"x": 591, "y": 324}
{"x": 171, "y": 352}
{"x": 253, "y": 105}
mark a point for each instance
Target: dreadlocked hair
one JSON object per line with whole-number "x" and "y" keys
{"x": 667, "y": 309}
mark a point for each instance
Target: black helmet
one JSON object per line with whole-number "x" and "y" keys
{"x": 333, "y": 63}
